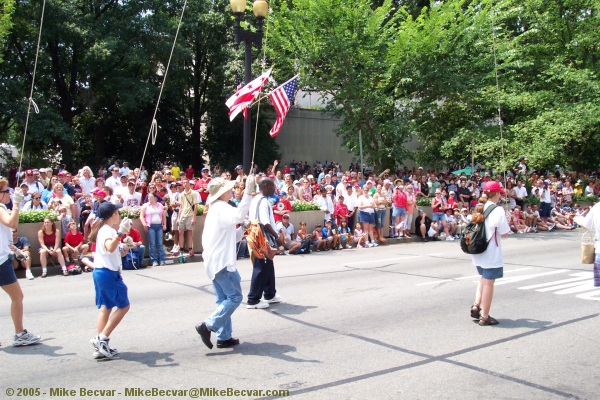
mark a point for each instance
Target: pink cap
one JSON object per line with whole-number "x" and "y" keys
{"x": 492, "y": 187}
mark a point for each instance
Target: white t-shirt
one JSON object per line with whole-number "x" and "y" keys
{"x": 496, "y": 225}
{"x": 87, "y": 185}
{"x": 132, "y": 200}
{"x": 289, "y": 231}
{"x": 103, "y": 258}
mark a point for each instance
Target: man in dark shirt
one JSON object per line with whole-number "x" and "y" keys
{"x": 422, "y": 225}
{"x": 464, "y": 194}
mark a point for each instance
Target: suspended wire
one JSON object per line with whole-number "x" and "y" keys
{"x": 503, "y": 159}
{"x": 30, "y": 100}
{"x": 153, "y": 132}
{"x": 264, "y": 56}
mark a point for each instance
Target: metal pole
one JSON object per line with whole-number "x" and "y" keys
{"x": 247, "y": 155}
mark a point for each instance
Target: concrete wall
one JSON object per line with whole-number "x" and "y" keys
{"x": 309, "y": 135}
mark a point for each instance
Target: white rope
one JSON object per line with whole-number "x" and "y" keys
{"x": 153, "y": 132}
{"x": 30, "y": 100}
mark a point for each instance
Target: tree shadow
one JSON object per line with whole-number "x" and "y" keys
{"x": 271, "y": 350}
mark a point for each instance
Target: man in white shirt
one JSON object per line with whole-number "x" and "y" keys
{"x": 520, "y": 193}
{"x": 350, "y": 202}
{"x": 124, "y": 170}
{"x": 131, "y": 198}
{"x": 114, "y": 180}
{"x": 219, "y": 239}
{"x": 287, "y": 235}
{"x": 263, "y": 270}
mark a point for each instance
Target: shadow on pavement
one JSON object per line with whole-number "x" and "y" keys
{"x": 289, "y": 309}
{"x": 272, "y": 350}
{"x": 151, "y": 359}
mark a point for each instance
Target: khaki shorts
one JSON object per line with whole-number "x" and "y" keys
{"x": 174, "y": 224}
{"x": 185, "y": 224}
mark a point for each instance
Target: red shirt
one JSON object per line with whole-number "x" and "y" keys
{"x": 134, "y": 234}
{"x": 286, "y": 206}
{"x": 74, "y": 239}
{"x": 400, "y": 199}
{"x": 201, "y": 186}
{"x": 340, "y": 211}
{"x": 189, "y": 173}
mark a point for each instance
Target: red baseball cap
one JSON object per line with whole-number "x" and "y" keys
{"x": 493, "y": 187}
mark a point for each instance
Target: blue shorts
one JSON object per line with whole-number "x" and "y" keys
{"x": 491, "y": 273}
{"x": 110, "y": 289}
{"x": 366, "y": 217}
{"x": 398, "y": 211}
{"x": 439, "y": 216}
{"x": 7, "y": 272}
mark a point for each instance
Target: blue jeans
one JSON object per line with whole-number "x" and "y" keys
{"x": 155, "y": 241}
{"x": 140, "y": 252}
{"x": 229, "y": 296}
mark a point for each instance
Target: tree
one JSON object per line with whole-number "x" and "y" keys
{"x": 341, "y": 49}
{"x": 6, "y": 9}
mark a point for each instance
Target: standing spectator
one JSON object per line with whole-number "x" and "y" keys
{"x": 399, "y": 209}
{"x": 87, "y": 181}
{"x": 175, "y": 170}
{"x": 124, "y": 170}
{"x": 219, "y": 238}
{"x": 154, "y": 220}
{"x": 34, "y": 185}
{"x": 189, "y": 172}
{"x": 60, "y": 198}
{"x": 411, "y": 201}
{"x": 263, "y": 271}
{"x": 282, "y": 207}
{"x": 131, "y": 198}
{"x": 201, "y": 185}
{"x": 115, "y": 179}
{"x": 188, "y": 200}
{"x": 489, "y": 263}
{"x": 8, "y": 279}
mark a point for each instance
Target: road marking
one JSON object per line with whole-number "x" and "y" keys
{"x": 381, "y": 260}
{"x": 580, "y": 276}
{"x": 467, "y": 277}
{"x": 530, "y": 276}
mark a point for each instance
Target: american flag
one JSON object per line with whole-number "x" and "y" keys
{"x": 244, "y": 97}
{"x": 282, "y": 99}
{"x": 238, "y": 80}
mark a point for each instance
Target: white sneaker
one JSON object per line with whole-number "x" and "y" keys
{"x": 260, "y": 304}
{"x": 175, "y": 250}
{"x": 275, "y": 299}
{"x": 348, "y": 246}
{"x": 25, "y": 338}
{"x": 374, "y": 243}
{"x": 449, "y": 238}
{"x": 29, "y": 275}
{"x": 101, "y": 346}
{"x": 155, "y": 264}
{"x": 369, "y": 244}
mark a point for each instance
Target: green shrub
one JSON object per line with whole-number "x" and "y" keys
{"x": 424, "y": 202}
{"x": 33, "y": 216}
{"x": 200, "y": 210}
{"x": 300, "y": 205}
{"x": 531, "y": 199}
{"x": 588, "y": 199}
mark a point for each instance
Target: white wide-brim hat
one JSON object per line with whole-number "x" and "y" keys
{"x": 217, "y": 187}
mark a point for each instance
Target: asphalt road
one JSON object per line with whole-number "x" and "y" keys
{"x": 390, "y": 322}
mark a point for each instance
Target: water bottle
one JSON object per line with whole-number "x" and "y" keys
{"x": 181, "y": 260}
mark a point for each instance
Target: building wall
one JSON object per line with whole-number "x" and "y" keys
{"x": 309, "y": 135}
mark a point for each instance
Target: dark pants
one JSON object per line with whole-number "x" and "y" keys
{"x": 263, "y": 280}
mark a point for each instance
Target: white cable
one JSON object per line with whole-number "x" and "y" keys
{"x": 153, "y": 132}
{"x": 30, "y": 100}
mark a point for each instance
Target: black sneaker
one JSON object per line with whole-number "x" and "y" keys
{"x": 222, "y": 344}
{"x": 204, "y": 333}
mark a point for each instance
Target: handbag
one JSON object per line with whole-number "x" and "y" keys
{"x": 587, "y": 249}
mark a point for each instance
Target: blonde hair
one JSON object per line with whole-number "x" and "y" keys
{"x": 478, "y": 214}
{"x": 95, "y": 228}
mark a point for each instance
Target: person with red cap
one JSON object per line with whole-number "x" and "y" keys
{"x": 489, "y": 263}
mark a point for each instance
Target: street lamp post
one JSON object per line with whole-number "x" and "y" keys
{"x": 260, "y": 8}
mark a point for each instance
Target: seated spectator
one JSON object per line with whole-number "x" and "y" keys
{"x": 35, "y": 203}
{"x": 303, "y": 238}
{"x": 75, "y": 247}
{"x": 452, "y": 224}
{"x": 134, "y": 243}
{"x": 516, "y": 222}
{"x": 26, "y": 195}
{"x": 425, "y": 227}
{"x": 360, "y": 237}
{"x": 86, "y": 205}
{"x": 345, "y": 233}
{"x": 317, "y": 238}
{"x": 49, "y": 239}
{"x": 330, "y": 237}
{"x": 21, "y": 248}
{"x": 285, "y": 229}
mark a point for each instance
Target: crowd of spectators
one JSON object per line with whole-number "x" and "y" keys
{"x": 354, "y": 204}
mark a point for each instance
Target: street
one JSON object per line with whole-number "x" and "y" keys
{"x": 390, "y": 322}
